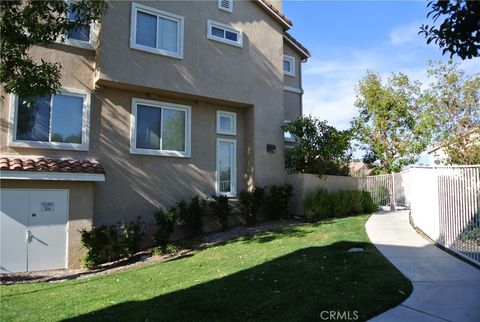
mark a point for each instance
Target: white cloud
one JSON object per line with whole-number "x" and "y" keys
{"x": 406, "y": 34}
{"x": 329, "y": 82}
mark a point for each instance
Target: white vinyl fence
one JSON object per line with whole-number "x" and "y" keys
{"x": 445, "y": 205}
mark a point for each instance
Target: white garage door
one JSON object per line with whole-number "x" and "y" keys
{"x": 33, "y": 229}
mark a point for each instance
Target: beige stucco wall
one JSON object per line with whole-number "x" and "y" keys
{"x": 292, "y": 81}
{"x": 293, "y": 104}
{"x": 304, "y": 183}
{"x": 81, "y": 195}
{"x": 138, "y": 184}
{"x": 251, "y": 75}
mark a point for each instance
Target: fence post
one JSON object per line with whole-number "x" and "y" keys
{"x": 392, "y": 193}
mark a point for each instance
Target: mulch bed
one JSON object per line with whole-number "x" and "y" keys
{"x": 144, "y": 257}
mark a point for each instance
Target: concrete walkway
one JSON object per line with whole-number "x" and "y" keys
{"x": 444, "y": 287}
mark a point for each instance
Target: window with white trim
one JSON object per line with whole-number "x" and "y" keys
{"x": 84, "y": 36}
{"x": 226, "y": 123}
{"x": 156, "y": 31}
{"x": 225, "y": 5}
{"x": 224, "y": 33}
{"x": 160, "y": 128}
{"x": 289, "y": 65}
{"x": 59, "y": 121}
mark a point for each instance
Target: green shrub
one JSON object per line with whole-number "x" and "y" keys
{"x": 320, "y": 204}
{"x": 251, "y": 203}
{"x": 221, "y": 208}
{"x": 317, "y": 205}
{"x": 106, "y": 243}
{"x": 277, "y": 201}
{"x": 168, "y": 249}
{"x": 165, "y": 222}
{"x": 129, "y": 237}
{"x": 191, "y": 214}
{"x": 367, "y": 203}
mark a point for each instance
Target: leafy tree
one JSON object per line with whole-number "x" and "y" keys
{"x": 24, "y": 24}
{"x": 387, "y": 125}
{"x": 321, "y": 148}
{"x": 459, "y": 32}
{"x": 453, "y": 112}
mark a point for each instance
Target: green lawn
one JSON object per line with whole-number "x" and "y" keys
{"x": 288, "y": 275}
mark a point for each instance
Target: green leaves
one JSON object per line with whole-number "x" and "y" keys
{"x": 321, "y": 148}
{"x": 24, "y": 24}
{"x": 459, "y": 32}
{"x": 452, "y": 114}
{"x": 387, "y": 124}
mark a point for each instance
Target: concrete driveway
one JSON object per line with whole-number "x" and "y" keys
{"x": 444, "y": 287}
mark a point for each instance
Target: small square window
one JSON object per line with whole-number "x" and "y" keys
{"x": 226, "y": 123}
{"x": 289, "y": 65}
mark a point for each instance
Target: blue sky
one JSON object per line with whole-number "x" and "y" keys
{"x": 347, "y": 38}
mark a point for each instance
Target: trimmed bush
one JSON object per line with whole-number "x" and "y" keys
{"x": 251, "y": 203}
{"x": 221, "y": 208}
{"x": 107, "y": 243}
{"x": 277, "y": 201}
{"x": 191, "y": 214}
{"x": 320, "y": 204}
{"x": 317, "y": 205}
{"x": 165, "y": 222}
{"x": 367, "y": 202}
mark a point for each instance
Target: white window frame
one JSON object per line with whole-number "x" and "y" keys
{"x": 290, "y": 59}
{"x": 233, "y": 179}
{"x": 159, "y": 13}
{"x": 91, "y": 44}
{"x": 230, "y": 7}
{"x": 12, "y": 133}
{"x": 233, "y": 117}
{"x": 168, "y": 153}
{"x": 211, "y": 23}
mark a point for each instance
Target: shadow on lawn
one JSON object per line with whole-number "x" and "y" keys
{"x": 297, "y": 286}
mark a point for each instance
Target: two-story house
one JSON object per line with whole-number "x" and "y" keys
{"x": 160, "y": 101}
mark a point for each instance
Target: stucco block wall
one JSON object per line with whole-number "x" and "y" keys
{"x": 304, "y": 183}
{"x": 80, "y": 211}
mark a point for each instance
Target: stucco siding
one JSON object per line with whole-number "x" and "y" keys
{"x": 293, "y": 105}
{"x": 293, "y": 81}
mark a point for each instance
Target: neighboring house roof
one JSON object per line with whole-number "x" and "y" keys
{"x": 297, "y": 45}
{"x": 357, "y": 167}
{"x": 275, "y": 13}
{"x": 42, "y": 164}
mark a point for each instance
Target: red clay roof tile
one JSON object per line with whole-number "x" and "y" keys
{"x": 43, "y": 164}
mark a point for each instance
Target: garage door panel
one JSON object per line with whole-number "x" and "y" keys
{"x": 14, "y": 221}
{"x": 47, "y": 224}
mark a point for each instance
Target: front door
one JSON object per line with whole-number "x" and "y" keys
{"x": 34, "y": 229}
{"x": 226, "y": 167}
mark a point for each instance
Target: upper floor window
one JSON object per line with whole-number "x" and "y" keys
{"x": 81, "y": 36}
{"x": 226, "y": 123}
{"x": 289, "y": 65}
{"x": 224, "y": 33}
{"x": 160, "y": 128}
{"x": 226, "y": 5}
{"x": 58, "y": 121}
{"x": 156, "y": 31}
